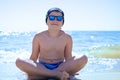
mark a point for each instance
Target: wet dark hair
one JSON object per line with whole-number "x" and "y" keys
{"x": 56, "y": 10}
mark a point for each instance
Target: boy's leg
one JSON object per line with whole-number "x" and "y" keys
{"x": 32, "y": 68}
{"x": 73, "y": 65}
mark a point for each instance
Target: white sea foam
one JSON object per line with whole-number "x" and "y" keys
{"x": 8, "y": 56}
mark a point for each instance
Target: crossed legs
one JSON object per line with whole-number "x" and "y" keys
{"x": 70, "y": 67}
{"x": 73, "y": 65}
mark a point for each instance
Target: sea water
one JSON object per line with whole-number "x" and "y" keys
{"x": 101, "y": 47}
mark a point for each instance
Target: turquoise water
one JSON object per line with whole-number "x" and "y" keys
{"x": 101, "y": 47}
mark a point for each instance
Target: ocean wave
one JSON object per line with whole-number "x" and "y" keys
{"x": 9, "y": 56}
{"x": 16, "y": 33}
{"x": 110, "y": 51}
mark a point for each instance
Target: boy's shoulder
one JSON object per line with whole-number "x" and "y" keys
{"x": 40, "y": 34}
{"x": 68, "y": 36}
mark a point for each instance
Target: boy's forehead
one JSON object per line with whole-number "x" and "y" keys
{"x": 56, "y": 13}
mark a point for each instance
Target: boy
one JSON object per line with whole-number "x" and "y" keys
{"x": 52, "y": 51}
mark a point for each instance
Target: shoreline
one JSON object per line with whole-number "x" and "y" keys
{"x": 109, "y": 75}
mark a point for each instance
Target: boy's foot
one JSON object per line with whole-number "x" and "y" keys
{"x": 65, "y": 75}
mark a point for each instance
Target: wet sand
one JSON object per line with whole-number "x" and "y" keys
{"x": 100, "y": 76}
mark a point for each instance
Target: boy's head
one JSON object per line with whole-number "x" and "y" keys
{"x": 56, "y": 10}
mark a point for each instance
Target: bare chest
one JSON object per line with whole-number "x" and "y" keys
{"x": 55, "y": 44}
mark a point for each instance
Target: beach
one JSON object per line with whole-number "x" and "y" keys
{"x": 101, "y": 76}
{"x": 101, "y": 47}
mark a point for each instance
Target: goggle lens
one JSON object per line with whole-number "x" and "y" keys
{"x": 59, "y": 18}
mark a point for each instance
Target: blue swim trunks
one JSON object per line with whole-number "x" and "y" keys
{"x": 51, "y": 66}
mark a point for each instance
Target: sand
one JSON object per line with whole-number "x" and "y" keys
{"x": 100, "y": 76}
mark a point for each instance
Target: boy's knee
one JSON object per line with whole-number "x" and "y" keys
{"x": 85, "y": 58}
{"x": 18, "y": 62}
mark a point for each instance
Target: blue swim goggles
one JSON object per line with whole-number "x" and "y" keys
{"x": 58, "y": 18}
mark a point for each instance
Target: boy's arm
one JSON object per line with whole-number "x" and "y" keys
{"x": 35, "y": 48}
{"x": 68, "y": 48}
